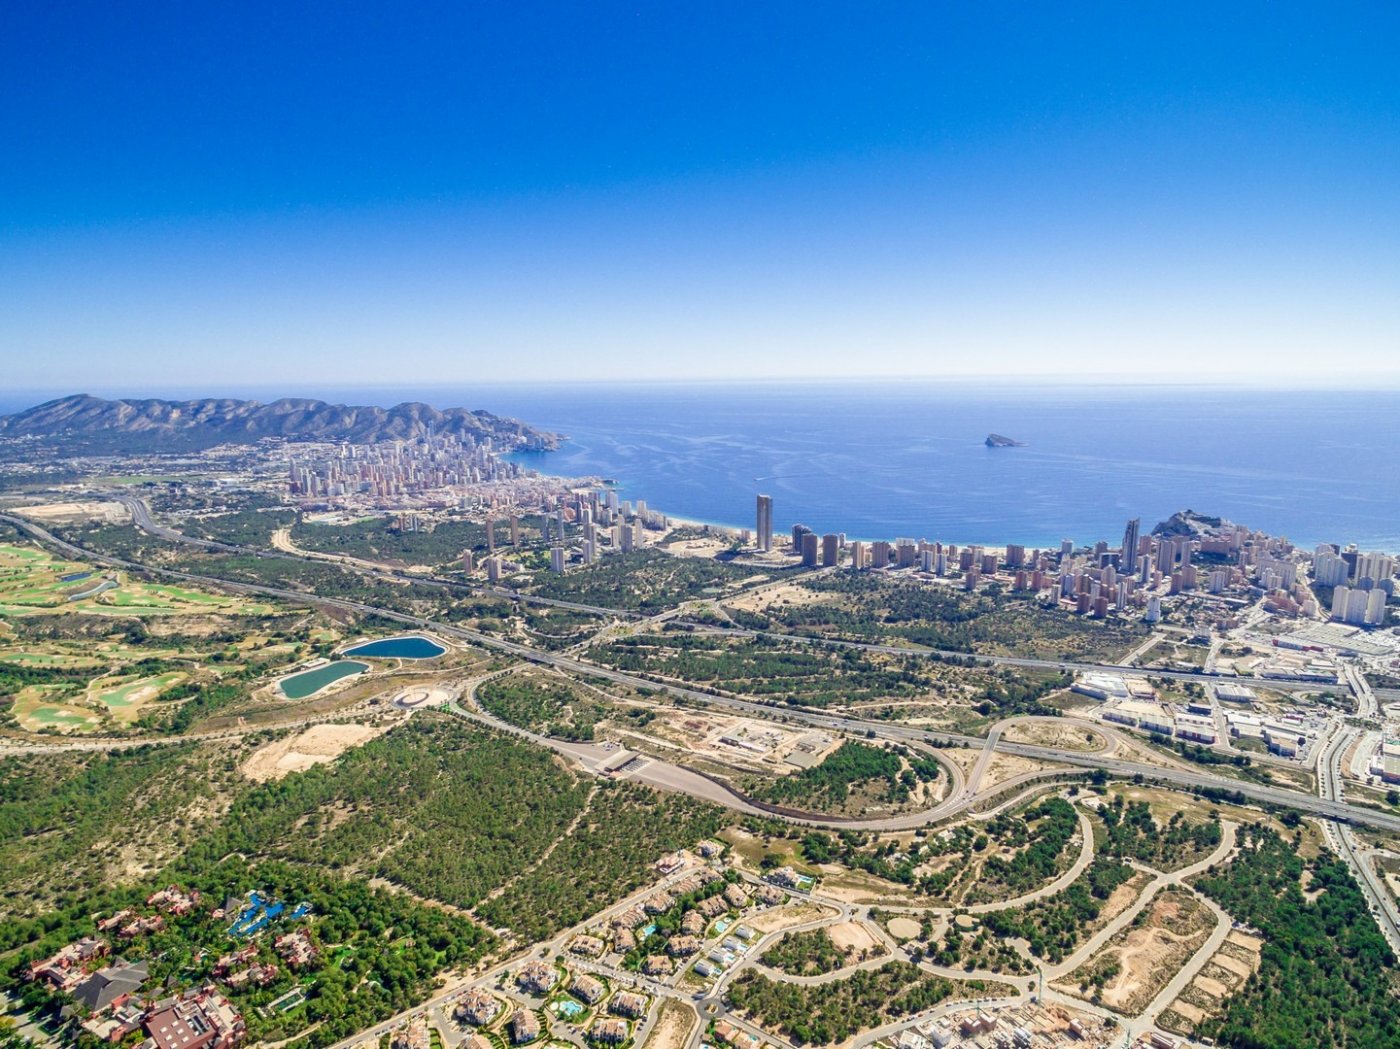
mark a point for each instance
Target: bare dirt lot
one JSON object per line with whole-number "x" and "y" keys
{"x": 786, "y": 917}
{"x": 674, "y": 1023}
{"x": 707, "y": 548}
{"x": 314, "y": 746}
{"x": 1003, "y": 767}
{"x": 904, "y": 928}
{"x": 1222, "y": 975}
{"x": 103, "y": 512}
{"x": 855, "y": 937}
{"x": 1119, "y": 900}
{"x": 786, "y": 594}
{"x": 1139, "y": 961}
{"x": 1065, "y": 735}
{"x": 1242, "y": 939}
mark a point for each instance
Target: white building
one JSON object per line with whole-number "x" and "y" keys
{"x": 1328, "y": 568}
{"x": 1375, "y": 567}
{"x": 1231, "y": 693}
{"x": 1102, "y": 687}
{"x": 1359, "y": 607}
{"x": 1390, "y": 759}
{"x": 1197, "y": 727}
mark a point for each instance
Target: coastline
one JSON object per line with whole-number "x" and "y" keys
{"x": 683, "y": 520}
{"x": 877, "y": 461}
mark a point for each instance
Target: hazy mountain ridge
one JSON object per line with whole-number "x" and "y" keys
{"x": 218, "y": 420}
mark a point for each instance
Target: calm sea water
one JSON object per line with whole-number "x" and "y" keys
{"x": 907, "y": 459}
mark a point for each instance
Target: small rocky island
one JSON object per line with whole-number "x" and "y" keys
{"x": 996, "y": 440}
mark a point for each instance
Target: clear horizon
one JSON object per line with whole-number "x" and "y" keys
{"x": 533, "y": 193}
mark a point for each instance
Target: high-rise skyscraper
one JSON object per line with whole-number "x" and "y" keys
{"x": 1127, "y": 561}
{"x": 764, "y": 529}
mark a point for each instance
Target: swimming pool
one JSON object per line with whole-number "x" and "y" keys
{"x": 567, "y": 1008}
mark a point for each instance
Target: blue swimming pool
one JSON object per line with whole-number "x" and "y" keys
{"x": 256, "y": 916}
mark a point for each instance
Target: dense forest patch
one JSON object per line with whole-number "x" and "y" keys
{"x": 1327, "y": 977}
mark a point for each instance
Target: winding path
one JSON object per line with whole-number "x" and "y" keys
{"x": 1331, "y": 808}
{"x": 1090, "y": 946}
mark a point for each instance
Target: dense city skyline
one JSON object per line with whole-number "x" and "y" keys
{"x": 733, "y": 527}
{"x": 617, "y": 195}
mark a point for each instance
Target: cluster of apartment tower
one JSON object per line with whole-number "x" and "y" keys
{"x": 1135, "y": 574}
{"x": 389, "y": 469}
{"x": 603, "y": 523}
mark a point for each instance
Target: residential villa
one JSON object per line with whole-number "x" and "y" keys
{"x": 609, "y": 1031}
{"x": 536, "y": 977}
{"x": 477, "y": 1007}
{"x": 201, "y": 1019}
{"x": 629, "y": 1004}
{"x": 657, "y": 965}
{"x": 524, "y": 1027}
{"x": 588, "y": 989}
{"x": 587, "y": 946}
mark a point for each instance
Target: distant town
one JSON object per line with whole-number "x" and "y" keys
{"x": 947, "y": 795}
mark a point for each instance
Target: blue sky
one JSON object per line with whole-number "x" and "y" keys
{"x": 196, "y": 196}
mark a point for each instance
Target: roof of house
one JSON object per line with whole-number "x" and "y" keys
{"x": 105, "y": 986}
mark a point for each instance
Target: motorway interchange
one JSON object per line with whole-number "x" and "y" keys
{"x": 1330, "y": 803}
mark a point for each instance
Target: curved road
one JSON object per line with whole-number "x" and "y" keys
{"x": 1189, "y": 779}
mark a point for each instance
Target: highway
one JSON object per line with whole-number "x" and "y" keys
{"x": 141, "y": 517}
{"x": 1330, "y": 784}
{"x": 1328, "y": 807}
{"x": 1330, "y": 803}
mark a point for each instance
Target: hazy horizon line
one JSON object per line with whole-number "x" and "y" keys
{"x": 1375, "y": 383}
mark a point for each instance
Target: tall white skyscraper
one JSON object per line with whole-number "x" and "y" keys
{"x": 1375, "y": 567}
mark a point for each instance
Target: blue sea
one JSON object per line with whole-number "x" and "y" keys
{"x": 908, "y": 458}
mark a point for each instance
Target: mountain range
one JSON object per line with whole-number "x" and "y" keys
{"x": 154, "y": 425}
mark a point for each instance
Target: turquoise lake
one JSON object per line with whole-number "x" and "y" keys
{"x": 309, "y": 682}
